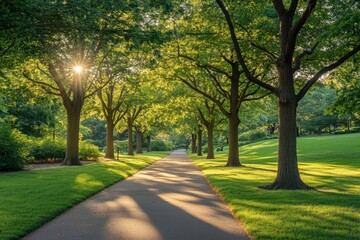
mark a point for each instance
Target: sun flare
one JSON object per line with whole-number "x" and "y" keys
{"x": 78, "y": 69}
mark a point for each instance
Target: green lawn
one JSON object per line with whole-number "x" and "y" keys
{"x": 329, "y": 163}
{"x": 30, "y": 199}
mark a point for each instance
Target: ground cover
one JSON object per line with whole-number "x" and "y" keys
{"x": 329, "y": 163}
{"x": 31, "y": 198}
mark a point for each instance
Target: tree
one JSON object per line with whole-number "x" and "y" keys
{"x": 70, "y": 57}
{"x": 298, "y": 35}
{"x": 112, "y": 98}
{"x": 206, "y": 64}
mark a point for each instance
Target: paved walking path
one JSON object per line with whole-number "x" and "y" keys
{"x": 169, "y": 200}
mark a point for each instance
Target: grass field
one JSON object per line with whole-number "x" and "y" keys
{"x": 329, "y": 163}
{"x": 30, "y": 199}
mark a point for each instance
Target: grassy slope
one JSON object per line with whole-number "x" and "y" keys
{"x": 329, "y": 163}
{"x": 29, "y": 199}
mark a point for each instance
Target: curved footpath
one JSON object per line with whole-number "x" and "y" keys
{"x": 168, "y": 200}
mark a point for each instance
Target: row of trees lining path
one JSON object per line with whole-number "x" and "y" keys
{"x": 285, "y": 56}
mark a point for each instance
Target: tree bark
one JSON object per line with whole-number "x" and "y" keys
{"x": 233, "y": 157}
{"x": 138, "y": 141}
{"x": 109, "y": 139}
{"x": 72, "y": 140}
{"x": 148, "y": 139}
{"x": 210, "y": 143}
{"x": 199, "y": 144}
{"x": 130, "y": 142}
{"x": 234, "y": 121}
{"x": 193, "y": 143}
{"x": 288, "y": 176}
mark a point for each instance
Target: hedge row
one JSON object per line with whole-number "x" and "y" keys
{"x": 16, "y": 149}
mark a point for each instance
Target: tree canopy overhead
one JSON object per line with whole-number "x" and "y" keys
{"x": 138, "y": 57}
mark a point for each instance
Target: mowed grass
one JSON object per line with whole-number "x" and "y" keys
{"x": 30, "y": 199}
{"x": 329, "y": 163}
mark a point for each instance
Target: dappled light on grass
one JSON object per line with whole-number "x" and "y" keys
{"x": 330, "y": 164}
{"x": 29, "y": 199}
{"x": 86, "y": 180}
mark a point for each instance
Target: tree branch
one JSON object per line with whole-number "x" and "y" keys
{"x": 304, "y": 17}
{"x": 238, "y": 50}
{"x": 326, "y": 69}
{"x": 279, "y": 7}
{"x": 297, "y": 64}
{"x": 211, "y": 98}
{"x": 266, "y": 51}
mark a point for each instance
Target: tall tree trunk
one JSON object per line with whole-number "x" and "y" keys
{"x": 72, "y": 140}
{"x": 130, "y": 142}
{"x": 210, "y": 143}
{"x": 234, "y": 121}
{"x": 148, "y": 139}
{"x": 199, "y": 145}
{"x": 233, "y": 157}
{"x": 288, "y": 176}
{"x": 193, "y": 143}
{"x": 109, "y": 139}
{"x": 138, "y": 142}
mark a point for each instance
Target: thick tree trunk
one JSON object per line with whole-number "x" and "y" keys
{"x": 109, "y": 139}
{"x": 148, "y": 139}
{"x": 288, "y": 176}
{"x": 199, "y": 144}
{"x": 138, "y": 142}
{"x": 210, "y": 143}
{"x": 193, "y": 143}
{"x": 233, "y": 157}
{"x": 72, "y": 140}
{"x": 130, "y": 142}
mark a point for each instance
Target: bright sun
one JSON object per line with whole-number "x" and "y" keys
{"x": 78, "y": 69}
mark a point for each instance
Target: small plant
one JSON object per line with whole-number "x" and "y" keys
{"x": 88, "y": 151}
{"x": 13, "y": 150}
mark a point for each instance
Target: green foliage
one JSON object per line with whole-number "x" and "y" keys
{"x": 252, "y": 135}
{"x": 204, "y": 149}
{"x": 161, "y": 145}
{"x": 13, "y": 150}
{"x": 122, "y": 146}
{"x": 96, "y": 131}
{"x": 88, "y": 151}
{"x": 45, "y": 149}
{"x": 48, "y": 149}
{"x": 331, "y": 164}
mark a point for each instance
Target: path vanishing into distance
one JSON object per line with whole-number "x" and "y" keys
{"x": 167, "y": 200}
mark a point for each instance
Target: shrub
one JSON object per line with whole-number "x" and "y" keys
{"x": 88, "y": 151}
{"x": 13, "y": 150}
{"x": 122, "y": 146}
{"x": 161, "y": 145}
{"x": 46, "y": 149}
{"x": 204, "y": 149}
{"x": 252, "y": 135}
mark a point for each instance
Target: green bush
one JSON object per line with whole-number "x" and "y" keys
{"x": 252, "y": 135}
{"x": 13, "y": 150}
{"x": 204, "y": 149}
{"x": 161, "y": 145}
{"x": 122, "y": 146}
{"x": 88, "y": 151}
{"x": 46, "y": 149}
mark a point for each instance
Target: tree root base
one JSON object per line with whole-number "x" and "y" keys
{"x": 287, "y": 185}
{"x": 234, "y": 165}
